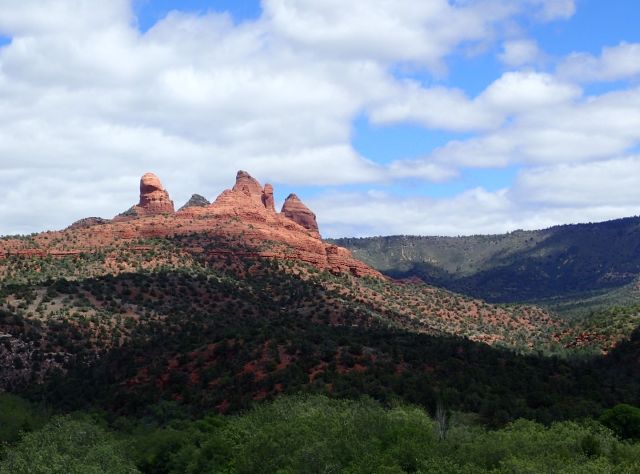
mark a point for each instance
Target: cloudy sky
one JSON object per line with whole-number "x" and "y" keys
{"x": 385, "y": 116}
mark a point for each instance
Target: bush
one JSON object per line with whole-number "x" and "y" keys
{"x": 623, "y": 420}
{"x": 16, "y": 416}
{"x": 67, "y": 446}
{"x": 317, "y": 434}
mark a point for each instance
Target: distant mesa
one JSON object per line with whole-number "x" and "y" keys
{"x": 295, "y": 210}
{"x": 196, "y": 200}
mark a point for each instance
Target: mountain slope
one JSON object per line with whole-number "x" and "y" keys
{"x": 221, "y": 305}
{"x": 565, "y": 261}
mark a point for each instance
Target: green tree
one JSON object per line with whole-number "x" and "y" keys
{"x": 67, "y": 445}
{"x": 624, "y": 420}
{"x": 17, "y": 415}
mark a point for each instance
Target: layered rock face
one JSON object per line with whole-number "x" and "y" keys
{"x": 295, "y": 210}
{"x": 267, "y": 198}
{"x": 248, "y": 185}
{"x": 154, "y": 199}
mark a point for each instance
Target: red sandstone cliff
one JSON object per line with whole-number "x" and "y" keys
{"x": 154, "y": 199}
{"x": 295, "y": 210}
{"x": 244, "y": 214}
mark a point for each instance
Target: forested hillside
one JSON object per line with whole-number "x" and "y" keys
{"x": 564, "y": 262}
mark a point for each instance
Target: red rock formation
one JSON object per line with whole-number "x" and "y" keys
{"x": 154, "y": 199}
{"x": 267, "y": 198}
{"x": 87, "y": 222}
{"x": 295, "y": 210}
{"x": 243, "y": 214}
{"x": 248, "y": 185}
{"x": 196, "y": 201}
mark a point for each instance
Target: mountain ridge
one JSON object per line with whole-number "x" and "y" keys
{"x": 244, "y": 212}
{"x": 572, "y": 259}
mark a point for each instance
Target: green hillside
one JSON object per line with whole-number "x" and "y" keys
{"x": 557, "y": 264}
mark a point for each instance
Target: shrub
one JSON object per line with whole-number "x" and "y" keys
{"x": 67, "y": 446}
{"x": 623, "y": 420}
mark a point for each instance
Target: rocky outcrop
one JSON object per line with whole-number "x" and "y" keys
{"x": 154, "y": 199}
{"x": 247, "y": 200}
{"x": 341, "y": 260}
{"x": 248, "y": 185}
{"x": 267, "y": 198}
{"x": 244, "y": 215}
{"x": 295, "y": 210}
{"x": 196, "y": 200}
{"x": 88, "y": 222}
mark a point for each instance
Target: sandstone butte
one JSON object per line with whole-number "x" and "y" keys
{"x": 244, "y": 214}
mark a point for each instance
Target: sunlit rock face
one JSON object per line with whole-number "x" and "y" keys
{"x": 154, "y": 199}
{"x": 295, "y": 210}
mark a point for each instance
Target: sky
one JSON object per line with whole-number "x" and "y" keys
{"x": 386, "y": 117}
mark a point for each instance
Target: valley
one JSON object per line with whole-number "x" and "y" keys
{"x": 220, "y": 307}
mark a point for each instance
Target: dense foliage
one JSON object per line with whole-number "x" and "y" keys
{"x": 570, "y": 261}
{"x": 153, "y": 335}
{"x": 317, "y": 435}
{"x": 222, "y": 334}
{"x": 624, "y": 420}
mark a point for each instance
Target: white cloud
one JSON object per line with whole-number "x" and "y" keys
{"x": 44, "y": 17}
{"x": 614, "y": 63}
{"x": 435, "y": 107}
{"x": 398, "y": 30}
{"x": 521, "y": 52}
{"x": 421, "y": 169}
{"x": 88, "y": 103}
{"x": 527, "y": 91}
{"x": 451, "y": 109}
{"x": 611, "y": 183}
{"x": 554, "y": 128}
{"x": 556, "y": 9}
{"x": 540, "y": 198}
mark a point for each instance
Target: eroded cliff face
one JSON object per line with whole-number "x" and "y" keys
{"x": 154, "y": 199}
{"x": 295, "y": 210}
{"x": 267, "y": 198}
{"x": 244, "y": 214}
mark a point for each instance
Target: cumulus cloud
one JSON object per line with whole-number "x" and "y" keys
{"x": 540, "y": 198}
{"x": 526, "y": 92}
{"x": 89, "y": 103}
{"x": 614, "y": 63}
{"x": 399, "y": 30}
{"x": 436, "y": 107}
{"x": 450, "y": 109}
{"x": 553, "y": 125}
{"x": 521, "y": 52}
{"x": 610, "y": 183}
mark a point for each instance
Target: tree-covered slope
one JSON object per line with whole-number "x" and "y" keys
{"x": 126, "y": 328}
{"x": 571, "y": 261}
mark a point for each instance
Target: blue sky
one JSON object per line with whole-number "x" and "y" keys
{"x": 594, "y": 25}
{"x": 148, "y": 12}
{"x": 415, "y": 117}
